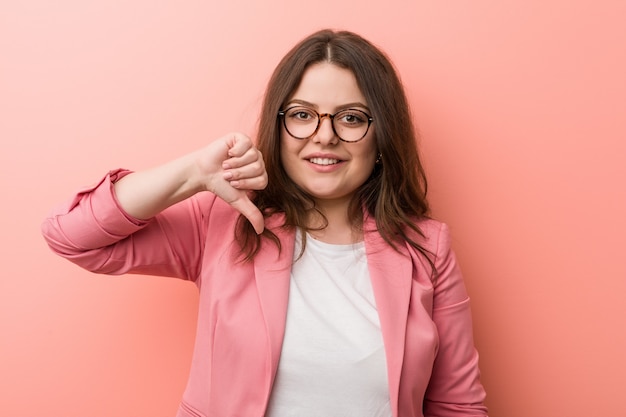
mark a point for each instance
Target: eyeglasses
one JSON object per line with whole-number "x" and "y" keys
{"x": 350, "y": 125}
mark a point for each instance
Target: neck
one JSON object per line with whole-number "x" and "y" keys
{"x": 339, "y": 229}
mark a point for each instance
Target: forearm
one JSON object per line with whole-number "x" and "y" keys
{"x": 144, "y": 194}
{"x": 228, "y": 167}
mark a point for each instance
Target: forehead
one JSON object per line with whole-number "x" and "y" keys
{"x": 326, "y": 85}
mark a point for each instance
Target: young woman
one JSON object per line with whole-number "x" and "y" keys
{"x": 325, "y": 288}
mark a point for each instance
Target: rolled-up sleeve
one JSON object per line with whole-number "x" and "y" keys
{"x": 94, "y": 232}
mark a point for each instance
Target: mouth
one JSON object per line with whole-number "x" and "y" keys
{"x": 324, "y": 161}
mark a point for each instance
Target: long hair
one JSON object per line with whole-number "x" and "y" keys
{"x": 394, "y": 194}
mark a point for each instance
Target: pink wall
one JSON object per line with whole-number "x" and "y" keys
{"x": 522, "y": 109}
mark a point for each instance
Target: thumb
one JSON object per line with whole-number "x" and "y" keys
{"x": 251, "y": 212}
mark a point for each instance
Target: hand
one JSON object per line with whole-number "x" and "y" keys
{"x": 232, "y": 166}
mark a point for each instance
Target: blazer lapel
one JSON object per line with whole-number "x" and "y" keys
{"x": 391, "y": 276}
{"x": 272, "y": 273}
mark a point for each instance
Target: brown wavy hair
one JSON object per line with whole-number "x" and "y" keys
{"x": 394, "y": 194}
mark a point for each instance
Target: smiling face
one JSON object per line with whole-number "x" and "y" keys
{"x": 327, "y": 168}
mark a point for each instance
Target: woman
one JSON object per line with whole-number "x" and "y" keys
{"x": 325, "y": 289}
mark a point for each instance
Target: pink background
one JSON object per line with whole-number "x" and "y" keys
{"x": 522, "y": 110}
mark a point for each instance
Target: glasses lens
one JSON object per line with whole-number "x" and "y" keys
{"x": 351, "y": 124}
{"x": 301, "y": 122}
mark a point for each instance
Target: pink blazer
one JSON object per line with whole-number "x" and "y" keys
{"x": 427, "y": 331}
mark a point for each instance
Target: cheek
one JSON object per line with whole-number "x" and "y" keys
{"x": 370, "y": 164}
{"x": 369, "y": 154}
{"x": 288, "y": 152}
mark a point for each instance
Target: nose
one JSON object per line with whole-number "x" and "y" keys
{"x": 325, "y": 133}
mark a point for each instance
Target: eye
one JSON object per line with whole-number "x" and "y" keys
{"x": 351, "y": 117}
{"x": 301, "y": 114}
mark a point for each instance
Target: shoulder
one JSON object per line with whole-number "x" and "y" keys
{"x": 429, "y": 235}
{"x": 448, "y": 279}
{"x": 434, "y": 237}
{"x": 436, "y": 249}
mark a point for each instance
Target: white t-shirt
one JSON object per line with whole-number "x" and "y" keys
{"x": 333, "y": 359}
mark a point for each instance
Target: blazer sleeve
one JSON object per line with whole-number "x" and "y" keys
{"x": 94, "y": 232}
{"x": 454, "y": 389}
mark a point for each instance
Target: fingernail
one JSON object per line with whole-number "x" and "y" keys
{"x": 228, "y": 175}
{"x": 234, "y": 184}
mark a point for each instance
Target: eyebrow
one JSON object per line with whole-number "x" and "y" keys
{"x": 340, "y": 107}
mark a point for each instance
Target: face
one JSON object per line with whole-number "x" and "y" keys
{"x": 327, "y": 168}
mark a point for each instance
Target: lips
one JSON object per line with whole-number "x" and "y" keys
{"x": 324, "y": 161}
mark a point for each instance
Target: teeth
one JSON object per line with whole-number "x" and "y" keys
{"x": 324, "y": 161}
